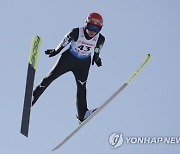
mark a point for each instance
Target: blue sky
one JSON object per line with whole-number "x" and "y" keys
{"x": 149, "y": 106}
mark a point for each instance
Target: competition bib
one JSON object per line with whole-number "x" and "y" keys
{"x": 83, "y": 48}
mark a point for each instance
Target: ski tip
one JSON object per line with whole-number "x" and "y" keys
{"x": 146, "y": 59}
{"x": 38, "y": 36}
{"x": 149, "y": 55}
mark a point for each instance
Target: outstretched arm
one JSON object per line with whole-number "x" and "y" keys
{"x": 72, "y": 35}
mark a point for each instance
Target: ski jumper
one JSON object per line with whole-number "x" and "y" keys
{"x": 77, "y": 59}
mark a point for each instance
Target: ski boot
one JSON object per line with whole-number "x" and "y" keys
{"x": 87, "y": 114}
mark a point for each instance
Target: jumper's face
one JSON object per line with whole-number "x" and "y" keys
{"x": 91, "y": 33}
{"x": 92, "y": 30}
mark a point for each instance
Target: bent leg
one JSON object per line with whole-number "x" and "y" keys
{"x": 60, "y": 68}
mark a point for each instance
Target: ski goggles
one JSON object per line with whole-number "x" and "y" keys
{"x": 93, "y": 28}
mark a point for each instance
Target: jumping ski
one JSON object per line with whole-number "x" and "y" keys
{"x": 32, "y": 65}
{"x": 146, "y": 59}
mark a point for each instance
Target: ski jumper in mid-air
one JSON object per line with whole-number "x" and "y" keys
{"x": 84, "y": 42}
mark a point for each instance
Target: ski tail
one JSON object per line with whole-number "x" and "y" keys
{"x": 32, "y": 65}
{"x": 146, "y": 59}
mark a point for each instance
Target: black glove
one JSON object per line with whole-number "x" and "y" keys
{"x": 51, "y": 52}
{"x": 97, "y": 60}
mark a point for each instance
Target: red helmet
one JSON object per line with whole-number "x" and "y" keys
{"x": 95, "y": 19}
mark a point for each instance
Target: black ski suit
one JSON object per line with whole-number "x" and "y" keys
{"x": 78, "y": 66}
